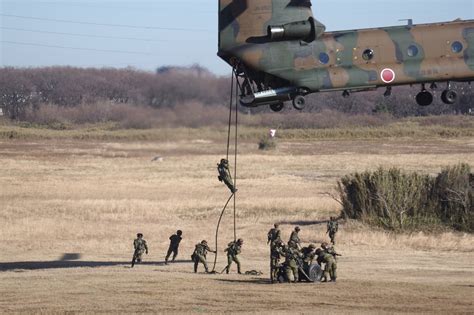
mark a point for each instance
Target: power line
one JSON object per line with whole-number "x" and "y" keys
{"x": 160, "y": 5}
{"x": 105, "y": 24}
{"x": 85, "y": 35}
{"x": 79, "y": 48}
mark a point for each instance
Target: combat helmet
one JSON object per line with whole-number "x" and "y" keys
{"x": 324, "y": 245}
{"x": 240, "y": 241}
{"x": 311, "y": 246}
{"x": 224, "y": 161}
{"x": 179, "y": 232}
{"x": 139, "y": 235}
{"x": 276, "y": 225}
{"x": 204, "y": 242}
{"x": 297, "y": 229}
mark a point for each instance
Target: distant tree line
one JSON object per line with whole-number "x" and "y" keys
{"x": 29, "y": 93}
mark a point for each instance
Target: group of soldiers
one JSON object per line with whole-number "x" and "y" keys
{"x": 288, "y": 258}
{"x": 140, "y": 247}
{"x": 295, "y": 256}
{"x": 199, "y": 255}
{"x": 233, "y": 250}
{"x": 298, "y": 258}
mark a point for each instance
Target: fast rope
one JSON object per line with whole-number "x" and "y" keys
{"x": 232, "y": 98}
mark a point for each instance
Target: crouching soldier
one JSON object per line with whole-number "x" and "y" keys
{"x": 224, "y": 175}
{"x": 233, "y": 250}
{"x": 199, "y": 255}
{"x": 327, "y": 255}
{"x": 307, "y": 256}
{"x": 139, "y": 244}
{"x": 292, "y": 256}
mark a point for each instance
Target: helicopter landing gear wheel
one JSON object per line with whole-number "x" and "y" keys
{"x": 449, "y": 97}
{"x": 299, "y": 102}
{"x": 424, "y": 98}
{"x": 277, "y": 107}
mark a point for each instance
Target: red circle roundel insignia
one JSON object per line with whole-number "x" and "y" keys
{"x": 387, "y": 75}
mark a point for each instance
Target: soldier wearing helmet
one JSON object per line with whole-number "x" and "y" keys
{"x": 199, "y": 255}
{"x": 327, "y": 256}
{"x": 277, "y": 249}
{"x": 175, "y": 239}
{"x": 233, "y": 250}
{"x": 295, "y": 241}
{"x": 274, "y": 234}
{"x": 140, "y": 247}
{"x": 224, "y": 175}
{"x": 332, "y": 228}
{"x": 308, "y": 255}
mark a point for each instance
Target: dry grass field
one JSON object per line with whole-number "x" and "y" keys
{"x": 90, "y": 197}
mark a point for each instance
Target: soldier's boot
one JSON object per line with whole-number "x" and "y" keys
{"x": 207, "y": 270}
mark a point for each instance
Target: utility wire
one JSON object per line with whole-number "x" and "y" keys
{"x": 84, "y": 35}
{"x": 105, "y": 24}
{"x": 79, "y": 48}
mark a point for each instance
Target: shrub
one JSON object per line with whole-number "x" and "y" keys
{"x": 267, "y": 143}
{"x": 400, "y": 201}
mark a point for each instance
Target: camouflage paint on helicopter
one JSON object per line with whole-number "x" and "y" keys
{"x": 282, "y": 53}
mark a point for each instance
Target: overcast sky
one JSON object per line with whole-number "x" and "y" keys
{"x": 147, "y": 34}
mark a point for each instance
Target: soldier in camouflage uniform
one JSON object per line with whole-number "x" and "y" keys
{"x": 175, "y": 239}
{"x": 140, "y": 247}
{"x": 327, "y": 255}
{"x": 274, "y": 239}
{"x": 295, "y": 241}
{"x": 332, "y": 228}
{"x": 274, "y": 234}
{"x": 233, "y": 250}
{"x": 308, "y": 255}
{"x": 276, "y": 251}
{"x": 292, "y": 255}
{"x": 224, "y": 175}
{"x": 199, "y": 255}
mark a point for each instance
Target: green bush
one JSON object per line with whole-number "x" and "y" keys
{"x": 267, "y": 143}
{"x": 400, "y": 201}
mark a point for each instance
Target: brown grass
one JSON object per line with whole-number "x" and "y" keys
{"x": 91, "y": 197}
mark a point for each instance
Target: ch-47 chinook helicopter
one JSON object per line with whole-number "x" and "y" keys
{"x": 280, "y": 52}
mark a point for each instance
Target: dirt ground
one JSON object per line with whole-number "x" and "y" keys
{"x": 89, "y": 199}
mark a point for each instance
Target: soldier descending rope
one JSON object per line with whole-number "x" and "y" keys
{"x": 224, "y": 175}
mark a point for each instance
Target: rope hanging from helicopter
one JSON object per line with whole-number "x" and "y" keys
{"x": 234, "y": 88}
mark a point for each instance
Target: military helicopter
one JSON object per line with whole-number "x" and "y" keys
{"x": 280, "y": 52}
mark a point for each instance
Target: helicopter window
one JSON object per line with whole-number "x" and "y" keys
{"x": 368, "y": 54}
{"x": 457, "y": 47}
{"x": 412, "y": 51}
{"x": 323, "y": 58}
